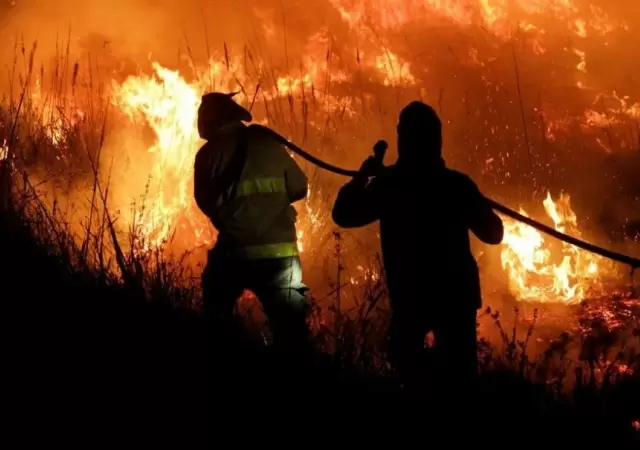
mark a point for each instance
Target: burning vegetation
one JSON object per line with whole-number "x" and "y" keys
{"x": 531, "y": 91}
{"x": 540, "y": 271}
{"x": 541, "y": 106}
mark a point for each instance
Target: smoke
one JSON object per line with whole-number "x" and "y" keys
{"x": 133, "y": 29}
{"x": 130, "y": 28}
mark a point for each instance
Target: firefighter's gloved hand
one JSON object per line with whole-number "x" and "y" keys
{"x": 374, "y": 164}
{"x": 369, "y": 167}
{"x": 380, "y": 149}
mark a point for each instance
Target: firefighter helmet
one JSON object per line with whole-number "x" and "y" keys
{"x": 217, "y": 110}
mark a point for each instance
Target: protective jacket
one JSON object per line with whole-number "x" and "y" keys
{"x": 425, "y": 215}
{"x": 246, "y": 182}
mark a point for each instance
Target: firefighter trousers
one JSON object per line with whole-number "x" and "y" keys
{"x": 277, "y": 283}
{"x": 454, "y": 367}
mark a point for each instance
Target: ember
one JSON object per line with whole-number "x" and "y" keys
{"x": 4, "y": 150}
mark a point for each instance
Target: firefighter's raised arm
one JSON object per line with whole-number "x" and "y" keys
{"x": 202, "y": 180}
{"x": 357, "y": 203}
{"x": 483, "y": 220}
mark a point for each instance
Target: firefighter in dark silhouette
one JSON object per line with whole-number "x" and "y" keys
{"x": 425, "y": 211}
{"x": 246, "y": 182}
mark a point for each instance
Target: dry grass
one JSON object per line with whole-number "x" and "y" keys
{"x": 98, "y": 269}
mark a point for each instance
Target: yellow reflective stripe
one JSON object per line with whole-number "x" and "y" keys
{"x": 261, "y": 186}
{"x": 279, "y": 250}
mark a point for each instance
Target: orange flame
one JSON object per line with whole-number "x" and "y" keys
{"x": 395, "y": 71}
{"x": 493, "y": 15}
{"x": 169, "y": 105}
{"x": 540, "y": 272}
{"x": 56, "y": 119}
{"x": 4, "y": 150}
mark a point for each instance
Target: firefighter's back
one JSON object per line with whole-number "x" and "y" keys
{"x": 424, "y": 229}
{"x": 246, "y": 182}
{"x": 252, "y": 209}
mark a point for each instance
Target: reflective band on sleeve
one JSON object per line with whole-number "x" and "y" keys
{"x": 261, "y": 186}
{"x": 279, "y": 250}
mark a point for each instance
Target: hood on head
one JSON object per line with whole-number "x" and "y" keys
{"x": 219, "y": 110}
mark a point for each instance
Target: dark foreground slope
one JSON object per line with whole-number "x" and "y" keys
{"x": 93, "y": 362}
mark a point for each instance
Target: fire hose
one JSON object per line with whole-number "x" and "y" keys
{"x": 380, "y": 148}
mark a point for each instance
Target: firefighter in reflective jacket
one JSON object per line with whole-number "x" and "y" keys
{"x": 246, "y": 182}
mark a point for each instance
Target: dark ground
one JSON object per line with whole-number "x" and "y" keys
{"x": 90, "y": 363}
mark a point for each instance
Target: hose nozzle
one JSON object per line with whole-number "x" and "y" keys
{"x": 379, "y": 150}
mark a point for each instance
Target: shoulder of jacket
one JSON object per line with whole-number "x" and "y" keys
{"x": 262, "y": 136}
{"x": 203, "y": 151}
{"x": 388, "y": 171}
{"x": 458, "y": 176}
{"x": 385, "y": 177}
{"x": 463, "y": 181}
{"x": 259, "y": 132}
